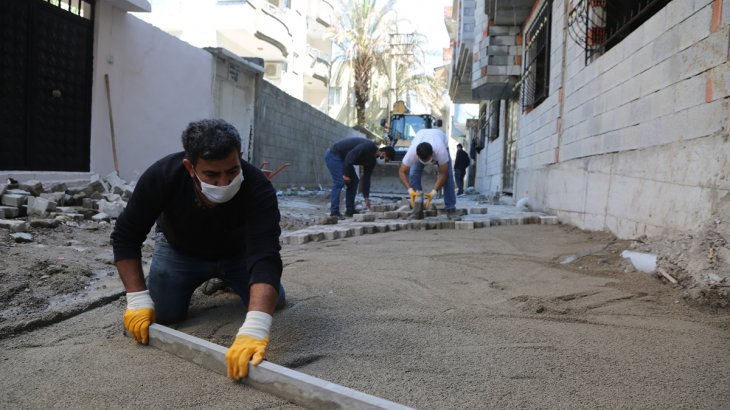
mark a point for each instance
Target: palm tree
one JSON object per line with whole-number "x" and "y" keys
{"x": 361, "y": 33}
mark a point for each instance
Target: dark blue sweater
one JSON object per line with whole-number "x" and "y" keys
{"x": 247, "y": 225}
{"x": 357, "y": 151}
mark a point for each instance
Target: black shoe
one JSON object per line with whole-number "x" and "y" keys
{"x": 338, "y": 215}
{"x": 349, "y": 214}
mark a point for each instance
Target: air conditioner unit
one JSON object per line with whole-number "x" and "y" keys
{"x": 272, "y": 70}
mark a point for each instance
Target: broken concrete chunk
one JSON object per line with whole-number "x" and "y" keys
{"x": 22, "y": 237}
{"x": 113, "y": 209}
{"x": 38, "y": 206}
{"x": 114, "y": 180}
{"x": 33, "y": 186}
{"x": 15, "y": 200}
{"x": 13, "y": 226}
{"x": 16, "y": 191}
{"x": 44, "y": 223}
{"x": 643, "y": 262}
{"x": 89, "y": 203}
{"x": 9, "y": 212}
{"x": 101, "y": 216}
{"x": 57, "y": 187}
{"x": 95, "y": 185}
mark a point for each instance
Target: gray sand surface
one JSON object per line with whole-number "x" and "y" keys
{"x": 441, "y": 319}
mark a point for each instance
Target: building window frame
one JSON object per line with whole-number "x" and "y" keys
{"x": 599, "y": 25}
{"x": 80, "y": 8}
{"x": 535, "y": 81}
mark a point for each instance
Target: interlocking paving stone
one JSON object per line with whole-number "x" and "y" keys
{"x": 381, "y": 222}
{"x": 464, "y": 225}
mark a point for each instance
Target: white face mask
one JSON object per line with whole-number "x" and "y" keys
{"x": 380, "y": 161}
{"x": 221, "y": 194}
{"x": 424, "y": 162}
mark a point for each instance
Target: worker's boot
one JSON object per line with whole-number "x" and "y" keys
{"x": 453, "y": 214}
{"x": 212, "y": 285}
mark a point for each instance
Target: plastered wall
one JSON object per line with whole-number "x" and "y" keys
{"x": 158, "y": 84}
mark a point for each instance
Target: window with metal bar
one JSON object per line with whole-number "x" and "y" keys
{"x": 598, "y": 25}
{"x": 81, "y": 8}
{"x": 625, "y": 16}
{"x": 536, "y": 71}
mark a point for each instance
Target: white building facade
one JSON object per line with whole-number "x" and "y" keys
{"x": 290, "y": 36}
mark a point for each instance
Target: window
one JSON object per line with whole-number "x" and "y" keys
{"x": 81, "y": 8}
{"x": 536, "y": 72}
{"x": 625, "y": 16}
{"x": 598, "y": 25}
{"x": 335, "y": 96}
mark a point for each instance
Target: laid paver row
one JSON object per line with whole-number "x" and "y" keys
{"x": 373, "y": 225}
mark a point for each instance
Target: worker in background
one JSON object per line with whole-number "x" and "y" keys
{"x": 460, "y": 164}
{"x": 217, "y": 216}
{"x": 429, "y": 146}
{"x": 341, "y": 159}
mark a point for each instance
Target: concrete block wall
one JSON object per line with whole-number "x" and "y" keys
{"x": 490, "y": 160}
{"x": 496, "y": 52}
{"x": 642, "y": 146}
{"x": 537, "y": 144}
{"x": 290, "y": 130}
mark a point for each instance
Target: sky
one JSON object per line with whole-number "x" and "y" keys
{"x": 427, "y": 17}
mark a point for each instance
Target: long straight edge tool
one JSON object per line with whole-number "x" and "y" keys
{"x": 299, "y": 388}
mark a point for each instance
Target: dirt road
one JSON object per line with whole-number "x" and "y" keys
{"x": 443, "y": 319}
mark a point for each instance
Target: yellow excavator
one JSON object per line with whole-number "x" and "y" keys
{"x": 400, "y": 128}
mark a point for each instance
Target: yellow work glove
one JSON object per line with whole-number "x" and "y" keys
{"x": 429, "y": 196}
{"x": 413, "y": 194}
{"x": 250, "y": 344}
{"x": 140, "y": 314}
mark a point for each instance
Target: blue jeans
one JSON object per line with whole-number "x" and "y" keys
{"x": 335, "y": 165}
{"x": 174, "y": 277}
{"x": 414, "y": 178}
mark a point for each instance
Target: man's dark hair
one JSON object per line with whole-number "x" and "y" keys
{"x": 211, "y": 139}
{"x": 459, "y": 146}
{"x": 424, "y": 151}
{"x": 389, "y": 151}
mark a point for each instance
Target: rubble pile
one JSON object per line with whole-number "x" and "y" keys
{"x": 36, "y": 204}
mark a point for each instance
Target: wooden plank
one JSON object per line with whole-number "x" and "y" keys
{"x": 280, "y": 381}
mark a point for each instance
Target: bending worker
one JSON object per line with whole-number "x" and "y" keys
{"x": 217, "y": 217}
{"x": 341, "y": 159}
{"x": 429, "y": 146}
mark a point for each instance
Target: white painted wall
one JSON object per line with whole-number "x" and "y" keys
{"x": 158, "y": 85}
{"x": 642, "y": 147}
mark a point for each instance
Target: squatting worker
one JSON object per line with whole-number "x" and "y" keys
{"x": 429, "y": 145}
{"x": 341, "y": 159}
{"x": 217, "y": 217}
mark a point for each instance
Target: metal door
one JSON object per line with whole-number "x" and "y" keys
{"x": 46, "y": 73}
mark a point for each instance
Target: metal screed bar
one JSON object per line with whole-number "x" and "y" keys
{"x": 288, "y": 384}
